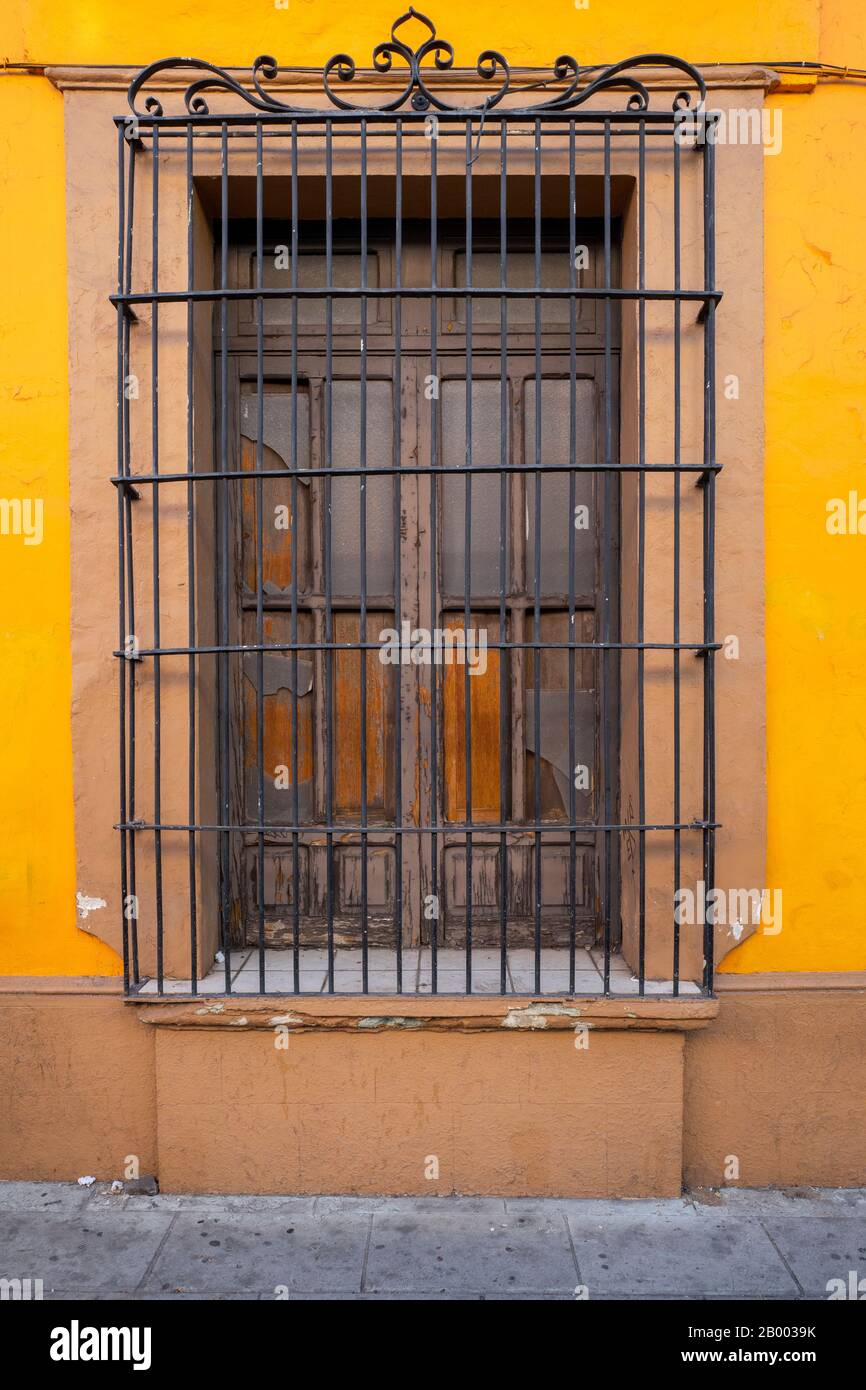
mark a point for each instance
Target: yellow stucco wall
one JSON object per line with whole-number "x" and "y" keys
{"x": 815, "y": 417}
{"x": 815, "y": 262}
{"x": 38, "y": 932}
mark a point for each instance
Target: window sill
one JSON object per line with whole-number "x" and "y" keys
{"x": 377, "y": 1014}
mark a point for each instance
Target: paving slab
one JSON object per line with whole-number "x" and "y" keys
{"x": 90, "y": 1249}
{"x": 676, "y": 1250}
{"x": 820, "y": 1249}
{"x": 462, "y": 1251}
{"x": 258, "y": 1251}
{"x": 42, "y": 1196}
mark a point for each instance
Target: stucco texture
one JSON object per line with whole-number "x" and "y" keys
{"x": 815, "y": 347}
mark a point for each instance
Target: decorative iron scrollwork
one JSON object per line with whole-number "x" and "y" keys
{"x": 416, "y": 91}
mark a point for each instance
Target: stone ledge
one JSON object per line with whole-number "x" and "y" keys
{"x": 767, "y": 982}
{"x": 307, "y": 81}
{"x": 100, "y": 985}
{"x": 372, "y": 1014}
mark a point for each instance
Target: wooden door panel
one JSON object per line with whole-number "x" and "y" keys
{"x": 484, "y": 706}
{"x": 278, "y": 711}
{"x": 279, "y": 526}
{"x": 351, "y": 669}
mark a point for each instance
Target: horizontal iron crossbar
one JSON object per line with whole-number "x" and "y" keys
{"x": 477, "y": 827}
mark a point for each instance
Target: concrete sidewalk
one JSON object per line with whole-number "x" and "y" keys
{"x": 85, "y": 1243}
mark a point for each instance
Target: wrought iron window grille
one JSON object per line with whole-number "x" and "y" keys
{"x": 481, "y": 295}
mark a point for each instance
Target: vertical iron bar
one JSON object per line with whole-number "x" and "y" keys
{"x": 676, "y": 593}
{"x": 709, "y": 458}
{"x": 503, "y": 555}
{"x": 190, "y": 558}
{"x": 467, "y": 557}
{"x": 129, "y": 671}
{"x": 434, "y": 558}
{"x": 329, "y": 460}
{"x": 397, "y": 540}
{"x": 362, "y": 516}
{"x": 572, "y": 509}
{"x": 537, "y": 654}
{"x": 607, "y": 578}
{"x": 296, "y": 872}
{"x": 154, "y": 445}
{"x": 641, "y": 554}
{"x": 121, "y": 558}
{"x": 260, "y": 537}
{"x": 224, "y": 578}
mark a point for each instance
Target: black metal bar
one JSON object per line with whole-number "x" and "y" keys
{"x": 608, "y": 293}
{"x": 276, "y": 119}
{"x": 529, "y": 645}
{"x": 190, "y": 565}
{"x": 157, "y": 680}
{"x": 260, "y": 542}
{"x": 362, "y": 517}
{"x": 709, "y": 486}
{"x": 641, "y": 559}
{"x": 526, "y": 827}
{"x": 121, "y": 566}
{"x": 372, "y": 471}
{"x": 504, "y": 751}
{"x": 129, "y": 673}
{"x": 659, "y": 124}
{"x": 436, "y": 466}
{"x": 396, "y": 543}
{"x": 607, "y": 580}
{"x": 572, "y": 522}
{"x": 131, "y": 677}
{"x": 536, "y": 614}
{"x": 296, "y": 868}
{"x": 329, "y": 618}
{"x": 224, "y": 581}
{"x": 467, "y": 557}
{"x": 676, "y": 560}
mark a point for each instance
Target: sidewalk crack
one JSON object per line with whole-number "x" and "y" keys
{"x": 156, "y": 1254}
{"x": 363, "y": 1288}
{"x": 782, "y": 1258}
{"x": 572, "y": 1246}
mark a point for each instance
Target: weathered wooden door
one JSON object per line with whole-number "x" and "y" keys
{"x": 363, "y": 734}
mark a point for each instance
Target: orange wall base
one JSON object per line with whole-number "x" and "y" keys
{"x": 775, "y": 1080}
{"x": 524, "y": 1114}
{"x": 77, "y": 1085}
{"x": 779, "y": 1081}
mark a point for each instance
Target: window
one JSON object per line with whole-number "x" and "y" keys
{"x": 356, "y": 571}
{"x": 425, "y": 534}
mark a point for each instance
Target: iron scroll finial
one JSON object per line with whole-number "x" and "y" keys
{"x": 395, "y": 56}
{"x": 416, "y": 91}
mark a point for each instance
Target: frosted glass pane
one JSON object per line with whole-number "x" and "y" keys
{"x": 312, "y": 273}
{"x": 556, "y": 518}
{"x": 484, "y": 556}
{"x": 520, "y": 274}
{"x": 346, "y": 492}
